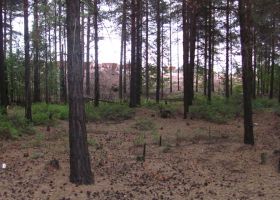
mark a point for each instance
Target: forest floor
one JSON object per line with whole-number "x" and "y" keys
{"x": 197, "y": 160}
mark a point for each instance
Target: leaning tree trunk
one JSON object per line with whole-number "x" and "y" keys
{"x": 245, "y": 25}
{"x": 27, "y": 65}
{"x": 80, "y": 168}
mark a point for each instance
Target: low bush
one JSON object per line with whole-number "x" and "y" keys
{"x": 221, "y": 110}
{"x": 44, "y": 114}
{"x": 14, "y": 126}
{"x": 108, "y": 111}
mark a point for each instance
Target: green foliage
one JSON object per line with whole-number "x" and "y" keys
{"x": 153, "y": 78}
{"x": 14, "y": 126}
{"x": 221, "y": 110}
{"x": 261, "y": 103}
{"x": 44, "y": 114}
{"x": 107, "y": 111}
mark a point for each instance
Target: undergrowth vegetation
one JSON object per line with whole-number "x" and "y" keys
{"x": 44, "y": 114}
{"x": 14, "y": 126}
{"x": 108, "y": 111}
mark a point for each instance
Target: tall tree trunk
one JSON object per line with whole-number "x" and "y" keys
{"x": 3, "y": 73}
{"x": 133, "y": 100}
{"x": 158, "y": 51}
{"x": 147, "y": 50}
{"x": 205, "y": 54}
{"x": 170, "y": 44}
{"x": 139, "y": 53}
{"x": 62, "y": 77}
{"x": 80, "y": 168}
{"x": 36, "y": 56}
{"x": 46, "y": 61}
{"x": 185, "y": 58}
{"x": 96, "y": 70}
{"x": 245, "y": 28}
{"x": 122, "y": 42}
{"x": 27, "y": 65}
{"x": 210, "y": 52}
{"x": 272, "y": 60}
{"x": 193, "y": 19}
{"x": 88, "y": 63}
{"x": 227, "y": 50}
{"x": 11, "y": 50}
{"x": 55, "y": 49}
{"x": 124, "y": 46}
{"x": 255, "y": 65}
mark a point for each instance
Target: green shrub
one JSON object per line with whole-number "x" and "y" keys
{"x": 107, "y": 111}
{"x": 43, "y": 114}
{"x": 15, "y": 126}
{"x": 221, "y": 110}
{"x": 261, "y": 103}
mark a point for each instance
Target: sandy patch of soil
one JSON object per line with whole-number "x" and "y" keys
{"x": 201, "y": 161}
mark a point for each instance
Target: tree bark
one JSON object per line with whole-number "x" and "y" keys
{"x": 3, "y": 72}
{"x": 158, "y": 51}
{"x": 88, "y": 62}
{"x": 133, "y": 100}
{"x": 147, "y": 50}
{"x": 36, "y": 56}
{"x": 96, "y": 68}
{"x": 210, "y": 53}
{"x": 227, "y": 50}
{"x": 272, "y": 60}
{"x": 27, "y": 65}
{"x": 80, "y": 168}
{"x": 245, "y": 28}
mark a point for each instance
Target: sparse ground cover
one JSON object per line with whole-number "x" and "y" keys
{"x": 199, "y": 158}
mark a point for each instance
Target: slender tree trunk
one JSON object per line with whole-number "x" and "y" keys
{"x": 138, "y": 53}
{"x": 80, "y": 168}
{"x": 36, "y": 56}
{"x": 255, "y": 66}
{"x": 147, "y": 50}
{"x": 170, "y": 43}
{"x": 185, "y": 59}
{"x": 245, "y": 26}
{"x": 96, "y": 83}
{"x": 11, "y": 50}
{"x": 193, "y": 19}
{"x": 3, "y": 73}
{"x": 197, "y": 65}
{"x": 227, "y": 50}
{"x": 46, "y": 61}
{"x": 88, "y": 52}
{"x": 62, "y": 78}
{"x": 124, "y": 46}
{"x": 205, "y": 54}
{"x": 272, "y": 60}
{"x": 55, "y": 50}
{"x": 133, "y": 100}
{"x": 27, "y": 65}
{"x": 210, "y": 53}
{"x": 121, "y": 61}
{"x": 158, "y": 51}
{"x": 162, "y": 69}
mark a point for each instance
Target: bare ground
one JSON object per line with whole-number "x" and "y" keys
{"x": 201, "y": 161}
